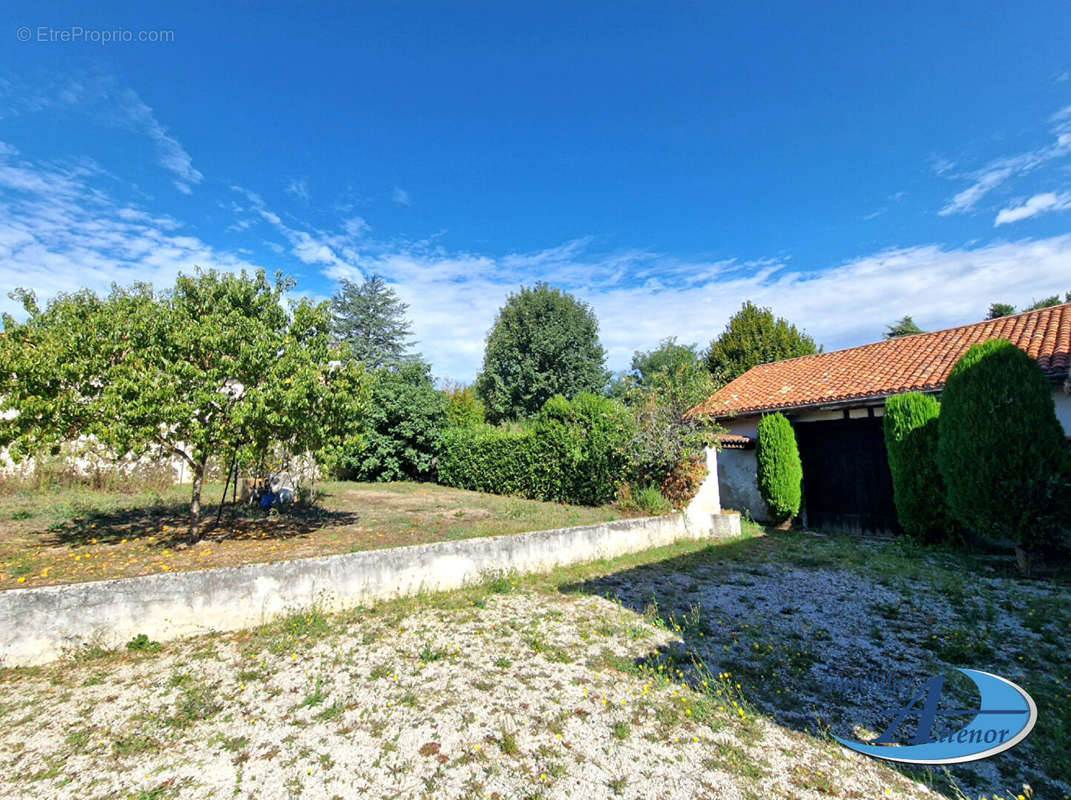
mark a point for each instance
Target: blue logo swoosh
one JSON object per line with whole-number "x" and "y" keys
{"x": 1005, "y": 717}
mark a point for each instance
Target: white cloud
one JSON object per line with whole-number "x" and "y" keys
{"x": 300, "y": 189}
{"x": 997, "y": 172}
{"x": 356, "y": 227}
{"x": 401, "y": 197}
{"x": 59, "y": 234}
{"x": 173, "y": 156}
{"x": 640, "y": 298}
{"x": 985, "y": 182}
{"x": 335, "y": 250}
{"x": 103, "y": 98}
{"x": 1038, "y": 204}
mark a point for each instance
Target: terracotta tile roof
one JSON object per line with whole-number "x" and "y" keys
{"x": 892, "y": 366}
{"x": 735, "y": 441}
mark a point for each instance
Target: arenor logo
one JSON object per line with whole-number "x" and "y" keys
{"x": 1005, "y": 716}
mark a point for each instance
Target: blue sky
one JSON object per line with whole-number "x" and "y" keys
{"x": 843, "y": 163}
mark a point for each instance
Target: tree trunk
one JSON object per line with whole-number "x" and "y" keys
{"x": 195, "y": 503}
{"x": 231, "y": 472}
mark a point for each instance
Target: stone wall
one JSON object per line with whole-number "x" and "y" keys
{"x": 38, "y": 625}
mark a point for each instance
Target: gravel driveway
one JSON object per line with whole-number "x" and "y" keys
{"x": 691, "y": 676}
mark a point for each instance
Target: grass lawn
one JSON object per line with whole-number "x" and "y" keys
{"x": 696, "y": 670}
{"x": 71, "y": 535}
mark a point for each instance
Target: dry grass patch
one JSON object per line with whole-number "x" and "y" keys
{"x": 72, "y": 535}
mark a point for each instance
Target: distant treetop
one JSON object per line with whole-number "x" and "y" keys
{"x": 752, "y": 337}
{"x": 905, "y": 327}
{"x": 371, "y": 319}
{"x": 998, "y": 310}
{"x": 544, "y": 342}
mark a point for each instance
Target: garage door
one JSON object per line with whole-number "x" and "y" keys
{"x": 846, "y": 480}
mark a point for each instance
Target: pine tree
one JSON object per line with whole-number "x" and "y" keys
{"x": 905, "y": 327}
{"x": 371, "y": 319}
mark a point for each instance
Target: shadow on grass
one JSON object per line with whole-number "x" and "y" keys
{"x": 783, "y": 614}
{"x": 169, "y": 524}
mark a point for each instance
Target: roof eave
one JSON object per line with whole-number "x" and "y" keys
{"x": 823, "y": 405}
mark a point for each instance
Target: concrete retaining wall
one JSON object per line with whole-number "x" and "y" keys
{"x": 38, "y": 625}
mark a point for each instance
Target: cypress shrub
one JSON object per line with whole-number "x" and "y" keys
{"x": 1000, "y": 446}
{"x": 780, "y": 473}
{"x": 911, "y": 422}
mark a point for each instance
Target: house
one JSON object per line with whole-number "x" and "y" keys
{"x": 836, "y": 401}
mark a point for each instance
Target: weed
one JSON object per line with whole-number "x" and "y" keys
{"x": 507, "y": 743}
{"x": 197, "y": 702}
{"x": 315, "y": 697}
{"x": 233, "y": 744}
{"x": 431, "y": 654}
{"x": 734, "y": 760}
{"x": 143, "y": 644}
{"x": 134, "y": 744}
{"x": 381, "y": 670}
{"x": 333, "y": 711}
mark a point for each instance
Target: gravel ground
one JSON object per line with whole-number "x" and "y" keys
{"x": 789, "y": 620}
{"x": 692, "y": 676}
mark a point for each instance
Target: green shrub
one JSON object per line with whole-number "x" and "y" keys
{"x": 1000, "y": 446}
{"x": 404, "y": 423}
{"x": 780, "y": 473}
{"x": 143, "y": 644}
{"x": 573, "y": 452}
{"x": 911, "y": 422}
{"x": 590, "y": 439}
{"x": 496, "y": 460}
{"x": 651, "y": 501}
{"x": 463, "y": 408}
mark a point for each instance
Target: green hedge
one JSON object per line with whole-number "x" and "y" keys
{"x": 497, "y": 461}
{"x": 911, "y": 422}
{"x": 780, "y": 473}
{"x": 573, "y": 452}
{"x": 1000, "y": 447}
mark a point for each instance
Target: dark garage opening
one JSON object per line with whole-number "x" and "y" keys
{"x": 846, "y": 481}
